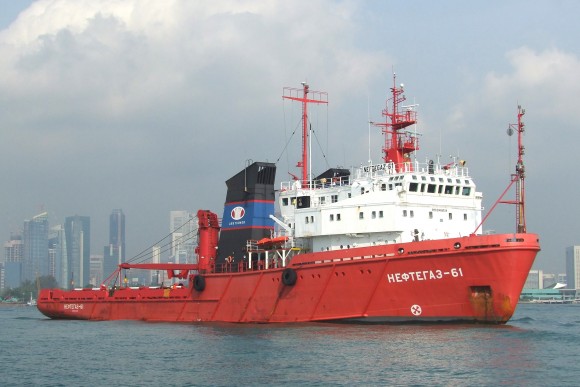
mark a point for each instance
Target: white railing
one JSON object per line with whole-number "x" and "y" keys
{"x": 390, "y": 169}
{"x": 372, "y": 171}
{"x": 315, "y": 184}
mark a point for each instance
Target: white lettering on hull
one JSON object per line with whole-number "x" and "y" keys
{"x": 74, "y": 307}
{"x": 424, "y": 275}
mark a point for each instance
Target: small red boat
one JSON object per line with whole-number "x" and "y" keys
{"x": 398, "y": 241}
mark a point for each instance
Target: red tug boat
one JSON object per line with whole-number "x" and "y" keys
{"x": 399, "y": 241}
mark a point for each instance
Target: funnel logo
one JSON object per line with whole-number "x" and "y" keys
{"x": 238, "y": 213}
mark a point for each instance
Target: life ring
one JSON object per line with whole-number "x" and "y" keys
{"x": 229, "y": 259}
{"x": 199, "y": 283}
{"x": 289, "y": 276}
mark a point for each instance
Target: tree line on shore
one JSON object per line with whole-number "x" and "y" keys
{"x": 28, "y": 289}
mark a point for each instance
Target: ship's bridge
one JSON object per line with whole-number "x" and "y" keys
{"x": 382, "y": 203}
{"x": 371, "y": 171}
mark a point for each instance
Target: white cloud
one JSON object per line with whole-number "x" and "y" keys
{"x": 117, "y": 57}
{"x": 156, "y": 91}
{"x": 547, "y": 81}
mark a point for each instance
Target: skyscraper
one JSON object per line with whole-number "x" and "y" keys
{"x": 13, "y": 249}
{"x": 78, "y": 242}
{"x": 183, "y": 236}
{"x": 156, "y": 276}
{"x": 573, "y": 267}
{"x": 12, "y": 263}
{"x": 96, "y": 269}
{"x": 35, "y": 247}
{"x": 114, "y": 252}
{"x": 57, "y": 253}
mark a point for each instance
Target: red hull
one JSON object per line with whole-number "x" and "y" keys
{"x": 476, "y": 278}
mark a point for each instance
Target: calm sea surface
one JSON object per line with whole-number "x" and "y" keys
{"x": 540, "y": 346}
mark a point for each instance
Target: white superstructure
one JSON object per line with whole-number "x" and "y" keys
{"x": 374, "y": 204}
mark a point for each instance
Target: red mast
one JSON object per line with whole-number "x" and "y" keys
{"x": 398, "y": 144}
{"x": 519, "y": 176}
{"x": 318, "y": 97}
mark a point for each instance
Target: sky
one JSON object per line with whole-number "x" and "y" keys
{"x": 149, "y": 106}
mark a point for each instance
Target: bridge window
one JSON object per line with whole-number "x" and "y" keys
{"x": 457, "y": 190}
{"x": 284, "y": 201}
{"x": 431, "y": 188}
{"x": 361, "y": 215}
{"x": 405, "y": 213}
{"x": 332, "y": 217}
{"x": 448, "y": 189}
{"x": 322, "y": 199}
{"x": 413, "y": 187}
{"x": 380, "y": 214}
{"x": 383, "y": 187}
{"x": 466, "y": 191}
{"x": 412, "y": 213}
{"x": 338, "y": 217}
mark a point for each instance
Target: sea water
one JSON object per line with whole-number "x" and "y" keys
{"x": 540, "y": 346}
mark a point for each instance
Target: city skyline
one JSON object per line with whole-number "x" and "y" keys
{"x": 64, "y": 252}
{"x": 151, "y": 106}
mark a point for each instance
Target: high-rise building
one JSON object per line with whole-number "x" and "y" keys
{"x": 156, "y": 276}
{"x": 57, "y": 255}
{"x": 535, "y": 280}
{"x": 114, "y": 252}
{"x": 573, "y": 267}
{"x": 78, "y": 243}
{"x": 11, "y": 272}
{"x": 35, "y": 247}
{"x": 13, "y": 249}
{"x": 183, "y": 236}
{"x": 96, "y": 269}
{"x": 117, "y": 231}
